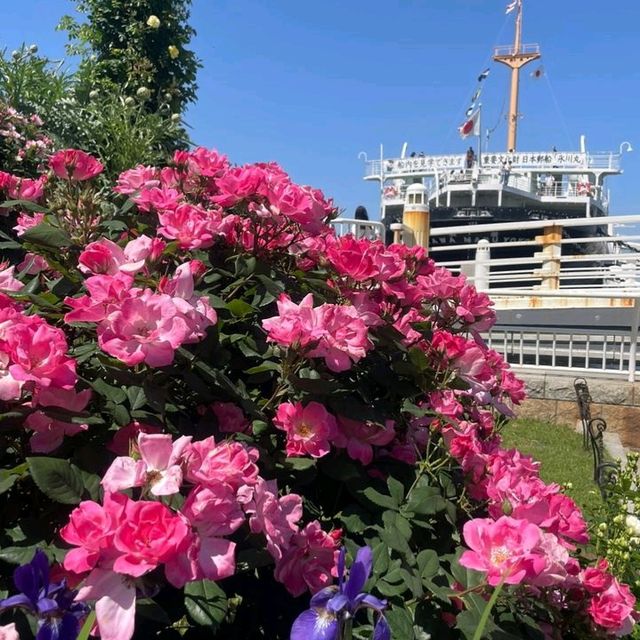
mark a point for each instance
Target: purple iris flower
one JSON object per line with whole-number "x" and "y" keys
{"x": 58, "y": 615}
{"x": 333, "y": 608}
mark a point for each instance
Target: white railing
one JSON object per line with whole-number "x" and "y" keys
{"x": 606, "y": 351}
{"x": 594, "y": 261}
{"x": 510, "y": 50}
{"x": 370, "y": 229}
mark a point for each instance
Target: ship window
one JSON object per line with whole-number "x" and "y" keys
{"x": 412, "y": 198}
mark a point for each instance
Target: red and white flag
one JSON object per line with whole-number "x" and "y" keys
{"x": 471, "y": 127}
{"x": 512, "y": 5}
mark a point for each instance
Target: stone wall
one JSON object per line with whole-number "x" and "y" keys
{"x": 551, "y": 397}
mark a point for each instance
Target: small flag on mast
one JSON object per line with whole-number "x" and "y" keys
{"x": 511, "y": 6}
{"x": 471, "y": 127}
{"x": 484, "y": 74}
{"x": 537, "y": 73}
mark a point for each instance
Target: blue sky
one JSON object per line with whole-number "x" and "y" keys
{"x": 311, "y": 84}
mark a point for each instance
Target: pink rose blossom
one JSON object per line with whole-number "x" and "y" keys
{"x": 9, "y": 632}
{"x": 159, "y": 467}
{"x": 310, "y": 429}
{"x": 613, "y": 609}
{"x": 27, "y": 189}
{"x": 137, "y": 179}
{"x": 32, "y": 264}
{"x": 115, "y": 603}
{"x": 149, "y": 535}
{"x": 157, "y": 199}
{"x": 209, "y": 463}
{"x": 91, "y": 528}
{"x": 147, "y": 329}
{"x": 596, "y": 579}
{"x": 213, "y": 511}
{"x": 106, "y": 295}
{"x": 28, "y": 221}
{"x": 203, "y": 557}
{"x": 49, "y": 432}
{"x": 230, "y": 417}
{"x": 310, "y": 561}
{"x": 8, "y": 282}
{"x": 359, "y": 438}
{"x": 503, "y": 549}
{"x": 274, "y": 517}
{"x": 72, "y": 164}
{"x": 38, "y": 352}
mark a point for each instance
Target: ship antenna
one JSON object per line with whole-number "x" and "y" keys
{"x": 515, "y": 57}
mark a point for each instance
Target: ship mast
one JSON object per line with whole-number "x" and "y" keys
{"x": 515, "y": 57}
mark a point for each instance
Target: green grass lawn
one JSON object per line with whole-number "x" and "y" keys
{"x": 559, "y": 449}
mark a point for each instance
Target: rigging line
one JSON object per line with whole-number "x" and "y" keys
{"x": 499, "y": 120}
{"x": 558, "y": 109}
{"x": 487, "y": 61}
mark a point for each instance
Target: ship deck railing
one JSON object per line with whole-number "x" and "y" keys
{"x": 552, "y": 271}
{"x": 529, "y": 161}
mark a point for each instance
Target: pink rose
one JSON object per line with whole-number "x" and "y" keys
{"x": 310, "y": 429}
{"x": 596, "y": 579}
{"x": 209, "y": 463}
{"x": 72, "y": 164}
{"x": 613, "y": 609}
{"x": 159, "y": 466}
{"x": 213, "y": 511}
{"x": 274, "y": 517}
{"x": 309, "y": 563}
{"x": 230, "y": 417}
{"x": 503, "y": 549}
{"x": 149, "y": 535}
{"x": 91, "y": 527}
{"x": 137, "y": 179}
{"x": 8, "y": 632}
{"x": 360, "y": 437}
{"x": 148, "y": 328}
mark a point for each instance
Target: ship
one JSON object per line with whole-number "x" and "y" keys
{"x": 514, "y": 185}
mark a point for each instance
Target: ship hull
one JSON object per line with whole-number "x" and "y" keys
{"x": 500, "y": 241}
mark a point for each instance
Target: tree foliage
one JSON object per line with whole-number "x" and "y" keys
{"x": 137, "y": 46}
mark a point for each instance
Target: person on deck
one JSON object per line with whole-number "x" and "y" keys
{"x": 471, "y": 157}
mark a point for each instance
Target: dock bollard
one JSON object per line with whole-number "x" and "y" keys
{"x": 482, "y": 267}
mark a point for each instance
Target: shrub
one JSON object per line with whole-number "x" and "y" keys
{"x": 211, "y": 402}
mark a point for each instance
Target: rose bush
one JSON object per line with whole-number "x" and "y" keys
{"x": 209, "y": 400}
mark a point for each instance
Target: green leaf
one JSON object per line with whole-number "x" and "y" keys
{"x": 23, "y": 204}
{"x": 396, "y": 489}
{"x": 47, "y": 235}
{"x": 428, "y": 563}
{"x": 401, "y": 623}
{"x": 267, "y": 365}
{"x": 380, "y": 499}
{"x": 114, "y": 394}
{"x": 8, "y": 477}
{"x": 426, "y": 501}
{"x": 240, "y": 308}
{"x": 137, "y": 397}
{"x": 299, "y": 463}
{"x": 355, "y": 519}
{"x": 57, "y": 479}
{"x": 206, "y": 603}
